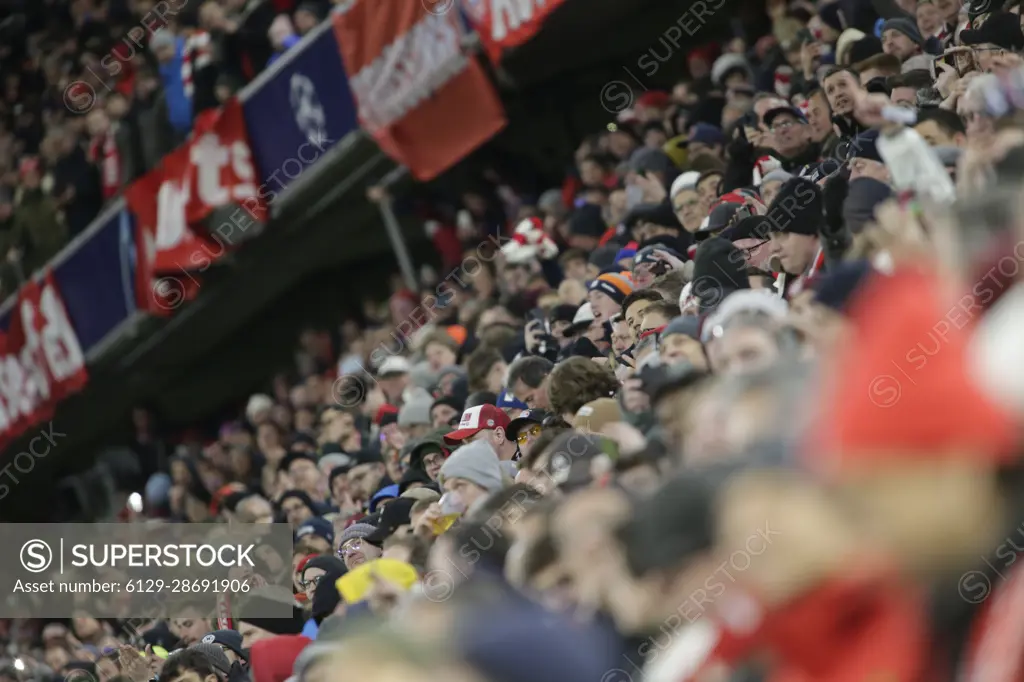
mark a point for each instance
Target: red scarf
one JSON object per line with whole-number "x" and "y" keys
{"x": 197, "y": 55}
{"x": 800, "y": 283}
{"x": 995, "y": 652}
{"x": 103, "y": 152}
{"x": 126, "y": 77}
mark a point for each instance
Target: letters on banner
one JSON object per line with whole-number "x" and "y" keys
{"x": 175, "y": 203}
{"x": 41, "y": 361}
{"x": 504, "y": 24}
{"x": 426, "y": 103}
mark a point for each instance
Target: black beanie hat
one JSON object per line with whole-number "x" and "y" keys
{"x": 451, "y": 401}
{"x": 588, "y": 221}
{"x": 335, "y": 472}
{"x": 867, "y": 46}
{"x": 832, "y": 16}
{"x": 657, "y": 214}
{"x": 1001, "y": 29}
{"x": 863, "y": 195}
{"x": 325, "y": 596}
{"x": 397, "y": 513}
{"x": 798, "y": 208}
{"x": 413, "y": 475}
{"x": 719, "y": 268}
{"x": 583, "y": 348}
{"x": 837, "y": 287}
{"x": 304, "y": 497}
{"x": 603, "y": 256}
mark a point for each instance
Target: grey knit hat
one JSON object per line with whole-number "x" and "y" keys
{"x": 416, "y": 410}
{"x": 213, "y": 653}
{"x": 422, "y": 376}
{"x": 356, "y": 530}
{"x": 906, "y": 26}
{"x": 335, "y": 460}
{"x": 457, "y": 371}
{"x": 477, "y": 463}
{"x": 687, "y": 325}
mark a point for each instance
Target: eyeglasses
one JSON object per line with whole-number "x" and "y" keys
{"x": 311, "y": 583}
{"x": 433, "y": 459}
{"x": 692, "y": 203}
{"x": 350, "y": 547}
{"x": 782, "y": 125}
{"x": 523, "y": 436}
{"x": 751, "y": 249}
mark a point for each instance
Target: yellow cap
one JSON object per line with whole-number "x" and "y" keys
{"x": 354, "y": 585}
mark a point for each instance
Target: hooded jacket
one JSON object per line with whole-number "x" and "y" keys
{"x": 432, "y": 442}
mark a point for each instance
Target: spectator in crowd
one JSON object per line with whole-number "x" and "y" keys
{"x": 282, "y": 36}
{"x": 38, "y": 230}
{"x": 97, "y": 112}
{"x": 752, "y": 423}
{"x": 168, "y": 49}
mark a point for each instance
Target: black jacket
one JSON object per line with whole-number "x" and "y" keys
{"x": 74, "y": 170}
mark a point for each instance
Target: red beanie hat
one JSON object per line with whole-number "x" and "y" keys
{"x": 272, "y": 660}
{"x": 901, "y": 388}
{"x": 385, "y": 413}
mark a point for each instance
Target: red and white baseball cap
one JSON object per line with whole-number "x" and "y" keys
{"x": 476, "y": 419}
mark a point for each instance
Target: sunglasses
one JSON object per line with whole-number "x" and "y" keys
{"x": 523, "y": 436}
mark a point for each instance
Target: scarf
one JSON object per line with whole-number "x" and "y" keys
{"x": 103, "y": 152}
{"x": 197, "y": 56}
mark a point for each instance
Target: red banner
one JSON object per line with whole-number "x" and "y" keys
{"x": 41, "y": 361}
{"x": 426, "y": 103}
{"x": 174, "y": 202}
{"x": 503, "y": 24}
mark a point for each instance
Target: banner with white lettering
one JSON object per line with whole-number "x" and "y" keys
{"x": 426, "y": 103}
{"x": 41, "y": 360}
{"x": 504, "y": 24}
{"x": 201, "y": 202}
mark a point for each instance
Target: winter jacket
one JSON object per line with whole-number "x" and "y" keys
{"x": 39, "y": 227}
{"x": 179, "y": 108}
{"x": 155, "y": 133}
{"x": 74, "y": 170}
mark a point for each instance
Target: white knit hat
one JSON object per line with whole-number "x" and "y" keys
{"x": 257, "y": 403}
{"x": 687, "y": 180}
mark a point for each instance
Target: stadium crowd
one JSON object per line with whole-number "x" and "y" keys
{"x": 96, "y": 92}
{"x": 737, "y": 401}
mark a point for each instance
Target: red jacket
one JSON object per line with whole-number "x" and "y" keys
{"x": 864, "y": 626}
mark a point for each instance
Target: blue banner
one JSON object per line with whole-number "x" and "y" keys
{"x": 301, "y": 110}
{"x": 97, "y": 283}
{"x": 295, "y": 111}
